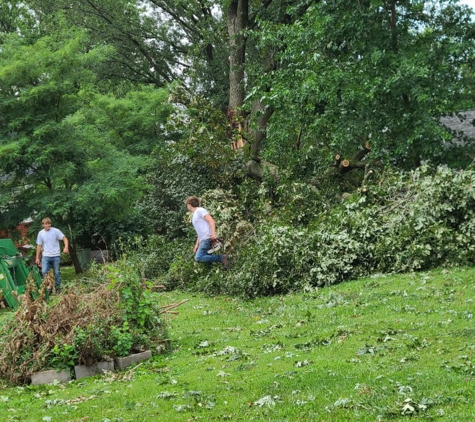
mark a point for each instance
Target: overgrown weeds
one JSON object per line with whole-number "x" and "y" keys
{"x": 114, "y": 318}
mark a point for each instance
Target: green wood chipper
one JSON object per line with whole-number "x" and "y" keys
{"x": 14, "y": 274}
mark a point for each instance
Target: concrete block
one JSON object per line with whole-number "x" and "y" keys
{"x": 48, "y": 377}
{"x": 122, "y": 363}
{"x": 83, "y": 371}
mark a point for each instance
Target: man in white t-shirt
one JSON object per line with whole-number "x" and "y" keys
{"x": 48, "y": 242}
{"x": 206, "y": 233}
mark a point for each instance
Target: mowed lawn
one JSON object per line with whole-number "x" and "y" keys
{"x": 386, "y": 348}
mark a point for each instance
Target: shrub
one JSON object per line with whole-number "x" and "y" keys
{"x": 402, "y": 222}
{"x": 115, "y": 316}
{"x": 121, "y": 339}
{"x": 157, "y": 253}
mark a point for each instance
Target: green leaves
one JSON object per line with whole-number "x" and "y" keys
{"x": 64, "y": 356}
{"x": 409, "y": 222}
{"x": 366, "y": 71}
{"x": 66, "y": 149}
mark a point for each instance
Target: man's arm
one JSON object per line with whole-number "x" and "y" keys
{"x": 197, "y": 244}
{"x": 212, "y": 225}
{"x": 38, "y": 253}
{"x": 66, "y": 245}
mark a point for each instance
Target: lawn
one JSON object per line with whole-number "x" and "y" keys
{"x": 386, "y": 348}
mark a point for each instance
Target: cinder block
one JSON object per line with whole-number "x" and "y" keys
{"x": 48, "y": 377}
{"x": 83, "y": 371}
{"x": 129, "y": 360}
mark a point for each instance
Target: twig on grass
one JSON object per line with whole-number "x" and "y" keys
{"x": 168, "y": 308}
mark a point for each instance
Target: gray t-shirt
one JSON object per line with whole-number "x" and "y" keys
{"x": 200, "y": 224}
{"x": 49, "y": 240}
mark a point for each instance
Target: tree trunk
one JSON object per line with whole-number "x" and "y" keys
{"x": 264, "y": 115}
{"x": 74, "y": 258}
{"x": 237, "y": 20}
{"x": 256, "y": 169}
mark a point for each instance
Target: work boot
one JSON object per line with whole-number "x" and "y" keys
{"x": 225, "y": 262}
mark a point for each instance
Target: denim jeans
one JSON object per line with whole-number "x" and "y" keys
{"x": 202, "y": 254}
{"x": 48, "y": 262}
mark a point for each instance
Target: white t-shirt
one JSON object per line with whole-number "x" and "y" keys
{"x": 200, "y": 224}
{"x": 49, "y": 240}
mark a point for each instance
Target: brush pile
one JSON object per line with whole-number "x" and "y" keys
{"x": 73, "y": 328}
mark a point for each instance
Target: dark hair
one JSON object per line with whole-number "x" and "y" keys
{"x": 193, "y": 201}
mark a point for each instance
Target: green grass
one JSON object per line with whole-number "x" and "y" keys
{"x": 389, "y": 348}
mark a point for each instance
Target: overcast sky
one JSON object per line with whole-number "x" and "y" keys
{"x": 471, "y": 3}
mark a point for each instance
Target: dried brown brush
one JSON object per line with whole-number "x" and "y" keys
{"x": 27, "y": 341}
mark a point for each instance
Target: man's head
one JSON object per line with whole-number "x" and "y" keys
{"x": 192, "y": 202}
{"x": 46, "y": 223}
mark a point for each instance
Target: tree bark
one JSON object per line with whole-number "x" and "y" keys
{"x": 74, "y": 258}
{"x": 258, "y": 135}
{"x": 237, "y": 21}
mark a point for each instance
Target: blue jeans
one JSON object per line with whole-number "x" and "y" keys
{"x": 202, "y": 254}
{"x": 48, "y": 262}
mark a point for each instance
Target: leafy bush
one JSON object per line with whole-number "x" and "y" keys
{"x": 113, "y": 317}
{"x": 402, "y": 222}
{"x": 122, "y": 339}
{"x": 200, "y": 161}
{"x": 157, "y": 253}
{"x": 139, "y": 309}
{"x": 429, "y": 220}
{"x": 63, "y": 356}
{"x": 90, "y": 342}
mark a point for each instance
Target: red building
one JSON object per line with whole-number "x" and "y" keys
{"x": 20, "y": 235}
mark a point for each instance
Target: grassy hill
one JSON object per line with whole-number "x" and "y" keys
{"x": 387, "y": 348}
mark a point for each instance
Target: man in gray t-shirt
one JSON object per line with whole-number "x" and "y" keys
{"x": 48, "y": 242}
{"x": 206, "y": 233}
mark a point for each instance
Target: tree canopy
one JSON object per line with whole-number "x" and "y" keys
{"x": 68, "y": 150}
{"x": 112, "y": 111}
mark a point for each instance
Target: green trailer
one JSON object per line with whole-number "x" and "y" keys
{"x": 14, "y": 274}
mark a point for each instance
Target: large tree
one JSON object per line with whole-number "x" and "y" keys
{"x": 314, "y": 63}
{"x": 207, "y": 45}
{"x": 66, "y": 150}
{"x": 156, "y": 42}
{"x": 380, "y": 71}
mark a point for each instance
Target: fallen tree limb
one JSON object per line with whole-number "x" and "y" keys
{"x": 168, "y": 308}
